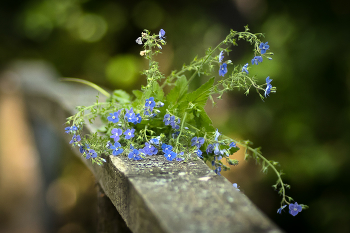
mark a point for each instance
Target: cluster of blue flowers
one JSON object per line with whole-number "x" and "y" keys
{"x": 256, "y": 60}
{"x": 219, "y": 153}
{"x": 76, "y": 138}
{"x": 294, "y": 209}
{"x": 139, "y": 130}
{"x": 198, "y": 142}
{"x": 90, "y": 153}
{"x": 154, "y": 145}
{"x": 171, "y": 120}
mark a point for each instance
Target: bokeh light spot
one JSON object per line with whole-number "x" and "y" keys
{"x": 61, "y": 196}
{"x": 91, "y": 28}
{"x": 122, "y": 70}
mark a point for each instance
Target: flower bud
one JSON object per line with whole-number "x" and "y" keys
{"x": 142, "y": 53}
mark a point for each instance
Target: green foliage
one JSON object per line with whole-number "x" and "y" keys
{"x": 181, "y": 86}
{"x": 181, "y": 120}
{"x": 199, "y": 97}
{"x": 121, "y": 97}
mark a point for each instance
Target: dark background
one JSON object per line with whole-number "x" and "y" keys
{"x": 304, "y": 126}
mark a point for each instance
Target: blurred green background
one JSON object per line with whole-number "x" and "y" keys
{"x": 304, "y": 126}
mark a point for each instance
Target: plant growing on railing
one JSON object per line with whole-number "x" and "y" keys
{"x": 175, "y": 124}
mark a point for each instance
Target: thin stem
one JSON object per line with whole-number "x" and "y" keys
{"x": 273, "y": 168}
{"x": 182, "y": 126}
{"x": 93, "y": 85}
{"x": 78, "y": 114}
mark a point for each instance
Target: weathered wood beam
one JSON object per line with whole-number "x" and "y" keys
{"x": 152, "y": 195}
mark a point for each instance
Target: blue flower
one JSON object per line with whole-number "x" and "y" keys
{"x": 161, "y": 34}
{"x": 170, "y": 156}
{"x": 116, "y": 149}
{"x": 221, "y": 56}
{"x": 149, "y": 105}
{"x": 218, "y": 170}
{"x": 75, "y": 139}
{"x": 71, "y": 129}
{"x": 138, "y": 119}
{"x": 139, "y": 40}
{"x": 166, "y": 119}
{"x": 91, "y": 154}
{"x": 244, "y": 68}
{"x": 263, "y": 47}
{"x": 223, "y": 70}
{"x": 198, "y": 142}
{"x": 159, "y": 104}
{"x": 114, "y": 117}
{"x": 67, "y": 129}
{"x": 134, "y": 154}
{"x": 81, "y": 149}
{"x": 279, "y": 211}
{"x": 108, "y": 145}
{"x": 149, "y": 149}
{"x": 148, "y": 111}
{"x": 150, "y": 102}
{"x": 174, "y": 124}
{"x": 129, "y": 133}
{"x": 217, "y": 134}
{"x": 210, "y": 148}
{"x": 142, "y": 152}
{"x": 175, "y": 134}
{"x": 232, "y": 144}
{"x": 116, "y": 133}
{"x": 268, "y": 86}
{"x": 166, "y": 148}
{"x": 199, "y": 153}
{"x": 294, "y": 209}
{"x": 235, "y": 185}
{"x": 130, "y": 116}
{"x": 256, "y": 60}
{"x": 179, "y": 159}
{"x": 155, "y": 141}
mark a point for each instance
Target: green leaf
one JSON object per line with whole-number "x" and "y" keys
{"x": 121, "y": 96}
{"x": 147, "y": 94}
{"x": 180, "y": 87}
{"x": 138, "y": 94}
{"x": 202, "y": 120}
{"x": 233, "y": 162}
{"x": 233, "y": 150}
{"x": 158, "y": 91}
{"x": 200, "y": 96}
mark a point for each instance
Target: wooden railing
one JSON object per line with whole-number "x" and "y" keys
{"x": 151, "y": 195}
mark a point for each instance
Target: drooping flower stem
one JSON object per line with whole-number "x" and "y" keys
{"x": 279, "y": 180}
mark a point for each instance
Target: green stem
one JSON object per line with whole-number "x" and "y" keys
{"x": 182, "y": 126}
{"x": 93, "y": 85}
{"x": 78, "y": 114}
{"x": 273, "y": 168}
{"x": 194, "y": 74}
{"x": 170, "y": 78}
